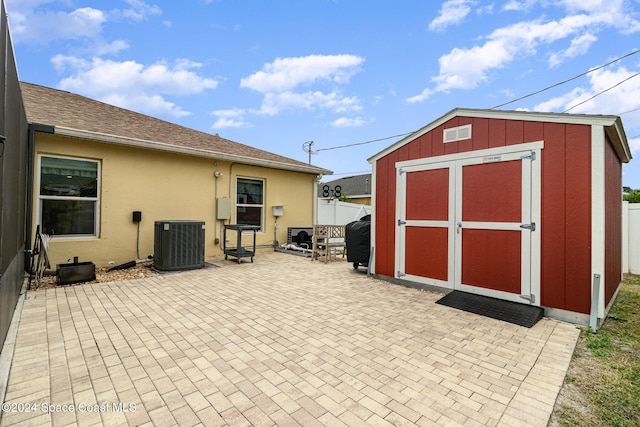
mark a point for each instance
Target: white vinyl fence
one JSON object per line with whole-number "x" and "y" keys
{"x": 334, "y": 212}
{"x": 631, "y": 237}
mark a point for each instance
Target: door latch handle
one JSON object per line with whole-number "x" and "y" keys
{"x": 458, "y": 227}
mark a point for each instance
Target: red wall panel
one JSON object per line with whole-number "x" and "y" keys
{"x": 613, "y": 222}
{"x": 432, "y": 188}
{"x": 385, "y": 215}
{"x": 492, "y": 192}
{"x": 566, "y": 217}
{"x": 578, "y": 218}
{"x": 480, "y": 132}
{"x": 553, "y": 245}
{"x": 533, "y": 131}
{"x": 465, "y": 144}
{"x": 426, "y": 142}
{"x": 566, "y": 199}
{"x": 497, "y": 133}
{"x": 491, "y": 259}
{"x": 427, "y": 252}
{"x": 514, "y": 132}
{"x": 437, "y": 146}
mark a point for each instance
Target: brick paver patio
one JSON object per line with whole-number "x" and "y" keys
{"x": 282, "y": 341}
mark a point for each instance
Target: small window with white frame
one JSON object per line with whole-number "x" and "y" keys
{"x": 250, "y": 201}
{"x": 69, "y": 196}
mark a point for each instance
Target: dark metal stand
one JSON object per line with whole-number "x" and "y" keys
{"x": 239, "y": 251}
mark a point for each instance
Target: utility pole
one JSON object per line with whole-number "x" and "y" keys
{"x": 307, "y": 149}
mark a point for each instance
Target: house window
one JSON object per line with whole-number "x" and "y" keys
{"x": 68, "y": 196}
{"x": 249, "y": 201}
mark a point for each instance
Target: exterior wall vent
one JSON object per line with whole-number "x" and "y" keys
{"x": 178, "y": 245}
{"x": 457, "y": 134}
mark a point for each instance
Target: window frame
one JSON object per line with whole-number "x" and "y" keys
{"x": 96, "y": 200}
{"x": 262, "y": 181}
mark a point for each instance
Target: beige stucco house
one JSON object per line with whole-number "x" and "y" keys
{"x": 95, "y": 164}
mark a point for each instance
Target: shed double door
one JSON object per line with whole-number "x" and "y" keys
{"x": 466, "y": 224}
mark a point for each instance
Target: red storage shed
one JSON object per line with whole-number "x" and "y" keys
{"x": 520, "y": 206}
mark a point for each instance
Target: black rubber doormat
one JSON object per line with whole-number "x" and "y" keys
{"x": 512, "y": 312}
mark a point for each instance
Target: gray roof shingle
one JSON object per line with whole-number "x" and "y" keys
{"x": 62, "y": 109}
{"x": 358, "y": 185}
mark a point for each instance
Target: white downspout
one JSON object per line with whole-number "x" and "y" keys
{"x": 314, "y": 214}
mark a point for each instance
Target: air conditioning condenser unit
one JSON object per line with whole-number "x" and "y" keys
{"x": 178, "y": 245}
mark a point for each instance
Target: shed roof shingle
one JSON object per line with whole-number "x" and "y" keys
{"x": 66, "y": 110}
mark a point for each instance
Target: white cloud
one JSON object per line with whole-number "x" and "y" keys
{"x": 615, "y": 99}
{"x": 275, "y": 102}
{"x": 225, "y": 122}
{"x": 32, "y": 23}
{"x": 508, "y": 93}
{"x": 139, "y": 10}
{"x": 466, "y": 68}
{"x": 103, "y": 48}
{"x": 133, "y": 85}
{"x": 153, "y": 105}
{"x": 233, "y": 118}
{"x": 287, "y": 73}
{"x": 562, "y": 102}
{"x": 232, "y": 113}
{"x": 422, "y": 96}
{"x": 279, "y": 80}
{"x": 40, "y": 28}
{"x": 519, "y": 5}
{"x": 344, "y": 122}
{"x": 100, "y": 76}
{"x": 452, "y": 12}
{"x": 579, "y": 46}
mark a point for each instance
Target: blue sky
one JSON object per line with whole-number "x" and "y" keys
{"x": 275, "y": 74}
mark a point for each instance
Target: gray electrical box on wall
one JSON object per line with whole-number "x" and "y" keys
{"x": 223, "y": 208}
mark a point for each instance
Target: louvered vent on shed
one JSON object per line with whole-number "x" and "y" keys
{"x": 458, "y": 133}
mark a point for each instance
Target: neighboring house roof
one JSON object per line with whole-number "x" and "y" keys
{"x": 352, "y": 186}
{"x": 612, "y": 126}
{"x": 77, "y": 116}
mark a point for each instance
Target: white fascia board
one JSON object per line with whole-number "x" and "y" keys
{"x": 161, "y": 146}
{"x": 618, "y": 137}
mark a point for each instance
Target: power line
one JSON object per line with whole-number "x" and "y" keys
{"x": 600, "y": 93}
{"x": 630, "y": 111}
{"x": 514, "y": 100}
{"x": 363, "y": 143}
{"x": 566, "y": 81}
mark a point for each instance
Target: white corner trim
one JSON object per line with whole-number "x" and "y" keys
{"x": 372, "y": 263}
{"x": 598, "y": 211}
